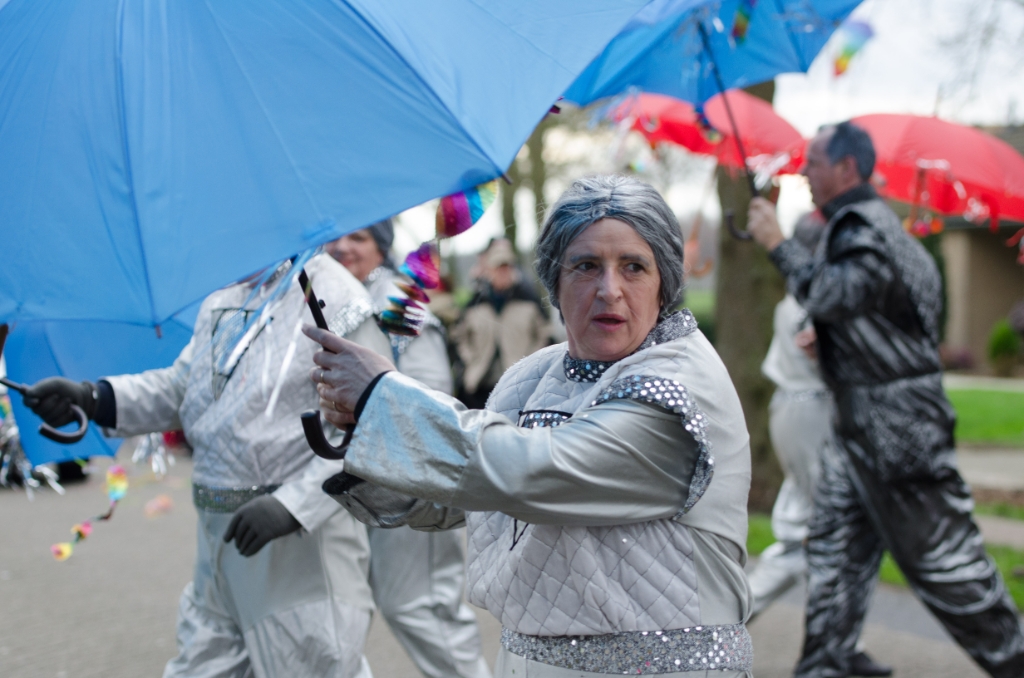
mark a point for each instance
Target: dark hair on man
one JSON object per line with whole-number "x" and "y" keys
{"x": 850, "y": 140}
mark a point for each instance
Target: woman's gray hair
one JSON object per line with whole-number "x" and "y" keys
{"x": 615, "y": 196}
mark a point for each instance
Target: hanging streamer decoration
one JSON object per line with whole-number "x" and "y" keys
{"x": 117, "y": 487}
{"x": 707, "y": 130}
{"x": 854, "y": 35}
{"x": 741, "y": 24}
{"x": 456, "y": 214}
{"x": 235, "y": 333}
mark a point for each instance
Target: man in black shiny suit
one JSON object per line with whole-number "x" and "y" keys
{"x": 891, "y": 481}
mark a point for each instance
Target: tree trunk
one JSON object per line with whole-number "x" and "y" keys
{"x": 534, "y": 176}
{"x": 538, "y": 168}
{"x": 748, "y": 288}
{"x": 508, "y": 199}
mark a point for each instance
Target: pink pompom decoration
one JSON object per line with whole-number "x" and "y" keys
{"x": 424, "y": 266}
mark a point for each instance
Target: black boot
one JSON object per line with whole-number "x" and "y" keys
{"x": 863, "y": 665}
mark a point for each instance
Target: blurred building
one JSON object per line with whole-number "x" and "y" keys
{"x": 983, "y": 278}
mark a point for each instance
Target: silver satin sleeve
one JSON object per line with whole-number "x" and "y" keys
{"x": 148, "y": 402}
{"x": 618, "y": 462}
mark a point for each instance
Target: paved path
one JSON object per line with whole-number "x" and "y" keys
{"x": 970, "y": 381}
{"x": 992, "y": 468}
{"x": 899, "y": 631}
{"x": 110, "y": 610}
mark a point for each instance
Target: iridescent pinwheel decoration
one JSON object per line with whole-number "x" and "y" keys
{"x": 456, "y": 214}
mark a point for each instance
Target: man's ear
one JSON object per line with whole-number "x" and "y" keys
{"x": 849, "y": 167}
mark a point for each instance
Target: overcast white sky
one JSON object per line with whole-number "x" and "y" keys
{"x": 901, "y": 70}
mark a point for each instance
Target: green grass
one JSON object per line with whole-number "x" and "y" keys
{"x": 759, "y": 533}
{"x": 1000, "y": 509}
{"x": 989, "y": 417}
{"x": 700, "y": 302}
{"x": 1007, "y": 559}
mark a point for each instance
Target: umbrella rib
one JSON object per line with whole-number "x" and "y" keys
{"x": 789, "y": 37}
{"x": 498, "y": 170}
{"x": 263, "y": 109}
{"x": 129, "y": 175}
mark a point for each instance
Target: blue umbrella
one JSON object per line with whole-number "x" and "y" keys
{"x": 662, "y": 49}
{"x": 155, "y": 151}
{"x": 84, "y": 350}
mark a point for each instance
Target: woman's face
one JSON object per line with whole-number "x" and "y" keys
{"x": 608, "y": 289}
{"x": 357, "y": 252}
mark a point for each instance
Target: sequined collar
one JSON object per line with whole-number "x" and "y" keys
{"x": 677, "y": 325}
{"x": 376, "y": 273}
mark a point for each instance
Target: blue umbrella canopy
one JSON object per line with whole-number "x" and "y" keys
{"x": 84, "y": 350}
{"x": 661, "y": 49}
{"x": 154, "y": 151}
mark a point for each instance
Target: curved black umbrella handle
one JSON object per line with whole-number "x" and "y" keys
{"x": 48, "y": 431}
{"x": 63, "y": 438}
{"x": 311, "y": 424}
{"x": 730, "y": 224}
{"x": 318, "y": 442}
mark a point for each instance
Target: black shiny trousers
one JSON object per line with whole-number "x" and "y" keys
{"x": 926, "y": 525}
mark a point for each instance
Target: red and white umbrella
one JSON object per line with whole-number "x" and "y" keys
{"x": 772, "y": 145}
{"x": 946, "y": 167}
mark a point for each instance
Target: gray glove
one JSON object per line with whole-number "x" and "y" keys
{"x": 51, "y": 399}
{"x": 259, "y": 521}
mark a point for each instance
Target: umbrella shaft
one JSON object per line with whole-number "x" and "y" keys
{"x": 13, "y": 385}
{"x": 728, "y": 109}
{"x": 314, "y": 303}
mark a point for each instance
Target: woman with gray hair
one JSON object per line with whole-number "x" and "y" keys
{"x": 605, "y": 485}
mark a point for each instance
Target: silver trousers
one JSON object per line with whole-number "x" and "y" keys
{"x": 290, "y": 610}
{"x": 799, "y": 426}
{"x": 511, "y": 665}
{"x": 418, "y": 580}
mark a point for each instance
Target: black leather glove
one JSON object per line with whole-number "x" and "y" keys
{"x": 53, "y": 397}
{"x": 259, "y": 521}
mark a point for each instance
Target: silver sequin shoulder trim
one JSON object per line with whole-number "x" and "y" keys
{"x": 673, "y": 396}
{"x": 350, "y": 316}
{"x": 726, "y": 647}
{"x": 542, "y": 418}
{"x": 674, "y": 326}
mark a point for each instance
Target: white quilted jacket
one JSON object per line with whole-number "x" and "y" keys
{"x": 563, "y": 581}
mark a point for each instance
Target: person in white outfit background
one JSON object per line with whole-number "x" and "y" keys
{"x": 291, "y": 596}
{"x": 418, "y": 578}
{"x": 800, "y": 426}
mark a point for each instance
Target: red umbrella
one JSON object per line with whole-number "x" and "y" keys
{"x": 949, "y": 168}
{"x": 765, "y": 136}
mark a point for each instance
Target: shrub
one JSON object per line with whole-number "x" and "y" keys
{"x": 1003, "y": 348}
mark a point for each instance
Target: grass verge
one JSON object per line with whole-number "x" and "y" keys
{"x": 1007, "y": 559}
{"x": 989, "y": 417}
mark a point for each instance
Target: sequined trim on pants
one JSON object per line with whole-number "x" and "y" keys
{"x": 226, "y": 499}
{"x": 698, "y": 648}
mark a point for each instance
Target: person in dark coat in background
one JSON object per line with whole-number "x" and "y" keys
{"x": 504, "y": 322}
{"x": 891, "y": 481}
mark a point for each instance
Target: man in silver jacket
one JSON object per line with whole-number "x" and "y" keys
{"x": 291, "y": 597}
{"x": 604, "y": 487}
{"x": 418, "y": 578}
